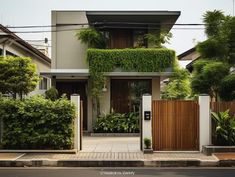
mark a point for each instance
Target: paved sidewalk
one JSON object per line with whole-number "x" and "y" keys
{"x": 114, "y": 159}
{"x": 171, "y": 156}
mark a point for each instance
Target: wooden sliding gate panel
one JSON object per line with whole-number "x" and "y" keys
{"x": 175, "y": 125}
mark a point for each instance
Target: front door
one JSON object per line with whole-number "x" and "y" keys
{"x": 126, "y": 94}
{"x": 75, "y": 87}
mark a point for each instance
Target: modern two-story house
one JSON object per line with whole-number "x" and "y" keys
{"x": 124, "y": 82}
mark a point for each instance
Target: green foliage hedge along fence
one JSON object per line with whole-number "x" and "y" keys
{"x": 117, "y": 123}
{"x": 135, "y": 60}
{"x": 37, "y": 123}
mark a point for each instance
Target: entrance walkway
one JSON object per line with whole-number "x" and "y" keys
{"x": 110, "y": 144}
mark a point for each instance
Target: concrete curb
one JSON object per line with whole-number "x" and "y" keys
{"x": 227, "y": 163}
{"x": 114, "y": 163}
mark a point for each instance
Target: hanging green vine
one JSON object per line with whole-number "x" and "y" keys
{"x": 129, "y": 60}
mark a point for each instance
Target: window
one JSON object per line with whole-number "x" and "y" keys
{"x": 43, "y": 84}
{"x": 139, "y": 40}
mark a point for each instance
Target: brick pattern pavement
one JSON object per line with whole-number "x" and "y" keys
{"x": 120, "y": 156}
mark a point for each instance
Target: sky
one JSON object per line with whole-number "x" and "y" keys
{"x": 38, "y": 12}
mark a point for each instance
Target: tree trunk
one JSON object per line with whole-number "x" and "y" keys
{"x": 14, "y": 95}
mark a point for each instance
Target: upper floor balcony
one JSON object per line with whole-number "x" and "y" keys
{"x": 127, "y": 29}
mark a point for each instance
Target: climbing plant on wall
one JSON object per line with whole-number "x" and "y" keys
{"x": 127, "y": 60}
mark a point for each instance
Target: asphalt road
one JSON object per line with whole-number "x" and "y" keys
{"x": 116, "y": 172}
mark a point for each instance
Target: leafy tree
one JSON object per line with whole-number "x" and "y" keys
{"x": 220, "y": 30}
{"x": 17, "y": 76}
{"x": 92, "y": 37}
{"x": 207, "y": 77}
{"x": 227, "y": 88}
{"x": 213, "y": 21}
{"x": 217, "y": 55}
{"x": 179, "y": 86}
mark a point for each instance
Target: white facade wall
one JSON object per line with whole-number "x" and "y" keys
{"x": 67, "y": 51}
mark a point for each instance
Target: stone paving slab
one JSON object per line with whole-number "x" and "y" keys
{"x": 10, "y": 156}
{"x": 225, "y": 156}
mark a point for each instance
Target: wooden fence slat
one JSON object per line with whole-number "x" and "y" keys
{"x": 223, "y": 106}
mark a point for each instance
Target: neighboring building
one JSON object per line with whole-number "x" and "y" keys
{"x": 11, "y": 44}
{"x": 70, "y": 71}
{"x": 190, "y": 55}
{"x": 41, "y": 45}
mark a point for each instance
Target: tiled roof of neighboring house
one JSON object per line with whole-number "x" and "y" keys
{"x": 190, "y": 65}
{"x": 186, "y": 53}
{"x": 10, "y": 34}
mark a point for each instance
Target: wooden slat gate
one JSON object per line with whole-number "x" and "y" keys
{"x": 175, "y": 125}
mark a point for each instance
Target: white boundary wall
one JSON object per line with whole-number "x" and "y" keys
{"x": 146, "y": 124}
{"x": 204, "y": 121}
{"x": 75, "y": 99}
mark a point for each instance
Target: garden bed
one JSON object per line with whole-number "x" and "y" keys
{"x": 210, "y": 149}
{"x": 116, "y": 134}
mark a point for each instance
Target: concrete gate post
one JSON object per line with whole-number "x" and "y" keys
{"x": 146, "y": 118}
{"x": 75, "y": 99}
{"x": 204, "y": 121}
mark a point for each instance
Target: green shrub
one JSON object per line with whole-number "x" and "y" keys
{"x": 147, "y": 143}
{"x": 37, "y": 123}
{"x": 117, "y": 123}
{"x": 92, "y": 37}
{"x": 224, "y": 128}
{"x": 52, "y": 94}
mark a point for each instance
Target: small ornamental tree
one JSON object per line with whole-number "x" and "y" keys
{"x": 17, "y": 76}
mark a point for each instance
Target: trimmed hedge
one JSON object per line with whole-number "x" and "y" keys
{"x": 139, "y": 60}
{"x": 37, "y": 123}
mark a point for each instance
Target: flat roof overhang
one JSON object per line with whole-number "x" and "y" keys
{"x": 66, "y": 73}
{"x": 132, "y": 18}
{"x": 137, "y": 74}
{"x": 85, "y": 73}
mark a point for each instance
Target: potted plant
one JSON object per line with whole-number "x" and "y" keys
{"x": 147, "y": 146}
